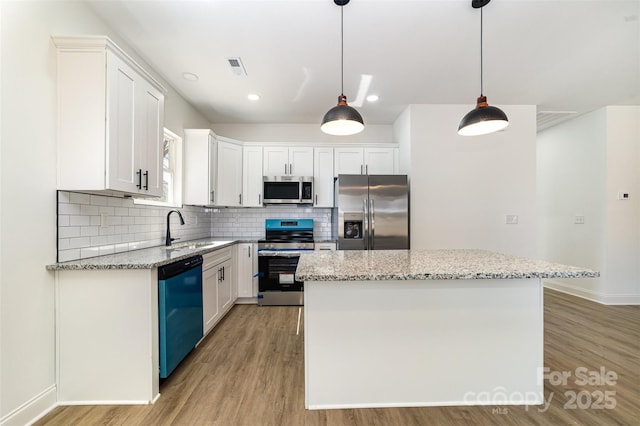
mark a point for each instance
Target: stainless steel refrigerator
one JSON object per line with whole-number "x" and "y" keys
{"x": 372, "y": 212}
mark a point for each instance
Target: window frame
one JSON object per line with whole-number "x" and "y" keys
{"x": 177, "y": 175}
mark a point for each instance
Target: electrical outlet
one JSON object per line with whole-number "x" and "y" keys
{"x": 578, "y": 220}
{"x": 103, "y": 220}
{"x": 512, "y": 219}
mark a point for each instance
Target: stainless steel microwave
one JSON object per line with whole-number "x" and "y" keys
{"x": 287, "y": 190}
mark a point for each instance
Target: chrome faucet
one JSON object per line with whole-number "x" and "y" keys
{"x": 169, "y": 239}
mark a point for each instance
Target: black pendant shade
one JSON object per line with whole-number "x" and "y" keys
{"x": 342, "y": 120}
{"x": 483, "y": 119}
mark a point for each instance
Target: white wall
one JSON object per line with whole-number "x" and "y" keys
{"x": 286, "y": 133}
{"x": 402, "y": 134}
{"x": 571, "y": 178}
{"x": 462, "y": 188}
{"x": 27, "y": 194}
{"x": 582, "y": 165}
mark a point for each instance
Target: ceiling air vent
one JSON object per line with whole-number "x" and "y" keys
{"x": 237, "y": 67}
{"x": 546, "y": 119}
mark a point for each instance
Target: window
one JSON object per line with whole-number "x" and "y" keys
{"x": 171, "y": 173}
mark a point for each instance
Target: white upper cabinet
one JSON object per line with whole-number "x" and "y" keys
{"x": 199, "y": 162}
{"x": 229, "y": 174}
{"x": 212, "y": 170}
{"x": 348, "y": 161}
{"x": 381, "y": 161}
{"x": 110, "y": 119}
{"x": 323, "y": 177}
{"x": 372, "y": 161}
{"x": 288, "y": 161}
{"x": 252, "y": 176}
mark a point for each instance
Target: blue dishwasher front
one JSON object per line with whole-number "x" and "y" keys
{"x": 180, "y": 311}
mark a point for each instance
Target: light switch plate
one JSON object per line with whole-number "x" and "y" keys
{"x": 512, "y": 219}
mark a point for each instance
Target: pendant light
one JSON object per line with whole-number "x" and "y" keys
{"x": 483, "y": 119}
{"x": 342, "y": 120}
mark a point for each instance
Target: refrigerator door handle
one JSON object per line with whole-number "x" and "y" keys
{"x": 365, "y": 214}
{"x": 372, "y": 234}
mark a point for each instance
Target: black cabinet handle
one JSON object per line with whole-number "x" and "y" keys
{"x": 146, "y": 180}
{"x": 139, "y": 173}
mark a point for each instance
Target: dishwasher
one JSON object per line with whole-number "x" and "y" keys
{"x": 179, "y": 311}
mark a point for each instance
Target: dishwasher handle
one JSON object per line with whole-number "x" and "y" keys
{"x": 176, "y": 268}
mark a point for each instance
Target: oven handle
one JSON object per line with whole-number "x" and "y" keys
{"x": 280, "y": 253}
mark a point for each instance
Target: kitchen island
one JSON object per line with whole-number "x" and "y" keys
{"x": 400, "y": 328}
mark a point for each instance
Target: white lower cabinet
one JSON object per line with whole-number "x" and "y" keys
{"x": 210, "y": 311}
{"x": 325, "y": 246}
{"x": 246, "y": 264}
{"x": 218, "y": 294}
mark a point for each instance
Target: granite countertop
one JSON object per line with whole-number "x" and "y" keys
{"x": 428, "y": 265}
{"x": 148, "y": 258}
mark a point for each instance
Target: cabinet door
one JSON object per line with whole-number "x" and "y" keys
{"x": 244, "y": 272}
{"x": 301, "y": 161}
{"x": 229, "y": 174}
{"x": 210, "y": 307}
{"x": 323, "y": 177}
{"x": 276, "y": 161}
{"x": 348, "y": 161}
{"x": 380, "y": 161}
{"x": 123, "y": 173}
{"x": 198, "y": 156}
{"x": 225, "y": 283}
{"x": 252, "y": 176}
{"x": 150, "y": 139}
{"x": 213, "y": 196}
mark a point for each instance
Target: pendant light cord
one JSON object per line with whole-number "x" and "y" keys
{"x": 342, "y": 50}
{"x": 481, "y": 55}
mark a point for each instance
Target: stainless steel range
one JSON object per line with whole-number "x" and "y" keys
{"x": 278, "y": 254}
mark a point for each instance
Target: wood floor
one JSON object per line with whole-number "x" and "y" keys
{"x": 250, "y": 371}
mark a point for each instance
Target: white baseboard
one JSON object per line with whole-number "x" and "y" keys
{"x": 605, "y": 299}
{"x": 247, "y": 301}
{"x": 32, "y": 410}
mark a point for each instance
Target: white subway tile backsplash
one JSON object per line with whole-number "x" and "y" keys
{"x": 133, "y": 226}
{"x": 63, "y": 197}
{"x": 79, "y": 220}
{"x": 115, "y": 202}
{"x": 99, "y": 200}
{"x": 88, "y": 210}
{"x": 69, "y": 232}
{"x": 68, "y": 209}
{"x": 89, "y": 252}
{"x": 79, "y": 198}
{"x": 65, "y": 255}
{"x": 77, "y": 242}
{"x": 89, "y": 231}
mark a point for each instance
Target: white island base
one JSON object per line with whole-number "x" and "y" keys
{"x": 411, "y": 343}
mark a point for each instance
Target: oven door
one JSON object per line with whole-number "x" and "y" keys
{"x": 277, "y": 270}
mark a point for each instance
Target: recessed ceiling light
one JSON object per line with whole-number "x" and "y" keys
{"x": 190, "y": 76}
{"x": 253, "y": 97}
{"x": 372, "y": 98}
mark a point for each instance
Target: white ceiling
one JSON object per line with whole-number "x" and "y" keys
{"x": 562, "y": 55}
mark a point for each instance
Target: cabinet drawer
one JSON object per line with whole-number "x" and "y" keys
{"x": 215, "y": 257}
{"x": 325, "y": 246}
